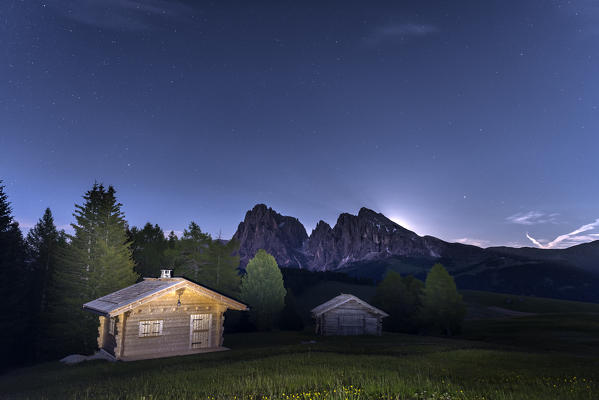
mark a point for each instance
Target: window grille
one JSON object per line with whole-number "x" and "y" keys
{"x": 150, "y": 328}
{"x": 112, "y": 326}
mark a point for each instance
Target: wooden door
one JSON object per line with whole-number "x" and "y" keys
{"x": 200, "y": 331}
{"x": 371, "y": 326}
{"x": 352, "y": 324}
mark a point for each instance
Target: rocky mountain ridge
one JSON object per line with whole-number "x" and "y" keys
{"x": 366, "y": 236}
{"x": 371, "y": 236}
{"x": 369, "y": 244}
{"x": 264, "y": 228}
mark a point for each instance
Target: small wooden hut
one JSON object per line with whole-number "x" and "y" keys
{"x": 161, "y": 317}
{"x": 348, "y": 315}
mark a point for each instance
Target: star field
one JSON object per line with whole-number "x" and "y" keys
{"x": 450, "y": 116}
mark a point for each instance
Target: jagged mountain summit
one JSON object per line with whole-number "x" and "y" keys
{"x": 369, "y": 244}
{"x": 354, "y": 238}
{"x": 264, "y": 228}
{"x": 366, "y": 236}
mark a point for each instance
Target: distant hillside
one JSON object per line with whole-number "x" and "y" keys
{"x": 367, "y": 244}
{"x": 315, "y": 290}
{"x": 585, "y": 256}
{"x": 537, "y": 305}
{"x": 495, "y": 274}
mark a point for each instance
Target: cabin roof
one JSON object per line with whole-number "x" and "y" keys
{"x": 132, "y": 296}
{"x": 342, "y": 299}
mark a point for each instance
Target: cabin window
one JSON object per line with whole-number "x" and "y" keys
{"x": 150, "y": 328}
{"x": 112, "y": 326}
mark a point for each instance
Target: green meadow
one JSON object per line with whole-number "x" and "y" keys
{"x": 550, "y": 353}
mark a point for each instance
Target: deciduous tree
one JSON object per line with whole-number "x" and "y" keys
{"x": 263, "y": 290}
{"x": 443, "y": 308}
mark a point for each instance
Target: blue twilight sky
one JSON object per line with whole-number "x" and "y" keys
{"x": 473, "y": 121}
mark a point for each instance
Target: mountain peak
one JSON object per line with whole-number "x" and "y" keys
{"x": 321, "y": 225}
{"x": 264, "y": 228}
{"x": 365, "y": 212}
{"x": 261, "y": 207}
{"x": 366, "y": 236}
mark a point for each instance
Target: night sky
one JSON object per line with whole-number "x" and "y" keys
{"x": 473, "y": 121}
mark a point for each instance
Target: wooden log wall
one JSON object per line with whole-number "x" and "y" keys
{"x": 359, "y": 320}
{"x": 175, "y": 336}
{"x": 106, "y": 340}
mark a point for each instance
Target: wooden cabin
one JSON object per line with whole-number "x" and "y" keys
{"x": 348, "y": 315}
{"x": 161, "y": 317}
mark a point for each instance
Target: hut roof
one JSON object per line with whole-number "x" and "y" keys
{"x": 342, "y": 299}
{"x": 135, "y": 295}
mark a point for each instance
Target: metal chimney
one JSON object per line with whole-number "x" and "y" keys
{"x": 165, "y": 273}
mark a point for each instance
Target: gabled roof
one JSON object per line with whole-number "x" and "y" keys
{"x": 342, "y": 299}
{"x": 150, "y": 288}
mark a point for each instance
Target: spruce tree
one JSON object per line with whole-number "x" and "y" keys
{"x": 97, "y": 261}
{"x": 149, "y": 249}
{"x": 189, "y": 254}
{"x": 14, "y": 307}
{"x": 289, "y": 319}
{"x": 172, "y": 240}
{"x": 44, "y": 242}
{"x": 400, "y": 297}
{"x": 263, "y": 290}
{"x": 221, "y": 265}
{"x": 442, "y": 305}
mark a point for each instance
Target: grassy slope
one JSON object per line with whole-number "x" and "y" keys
{"x": 545, "y": 356}
{"x": 527, "y": 304}
{"x": 270, "y": 364}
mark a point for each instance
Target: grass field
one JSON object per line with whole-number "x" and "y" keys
{"x": 536, "y": 305}
{"x": 548, "y": 355}
{"x": 278, "y": 365}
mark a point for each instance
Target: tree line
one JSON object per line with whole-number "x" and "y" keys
{"x": 433, "y": 307}
{"x": 49, "y": 274}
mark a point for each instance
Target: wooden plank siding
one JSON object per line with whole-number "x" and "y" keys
{"x": 350, "y": 318}
{"x": 106, "y": 340}
{"x": 175, "y": 338}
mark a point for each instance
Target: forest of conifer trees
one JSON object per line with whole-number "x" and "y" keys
{"x": 48, "y": 273}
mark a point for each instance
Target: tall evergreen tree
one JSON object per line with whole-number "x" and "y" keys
{"x": 172, "y": 240}
{"x": 221, "y": 265}
{"x": 209, "y": 262}
{"x": 149, "y": 249}
{"x": 189, "y": 253}
{"x": 263, "y": 290}
{"x": 97, "y": 261}
{"x": 443, "y": 308}
{"x": 400, "y": 297}
{"x": 14, "y": 307}
{"x": 44, "y": 242}
{"x": 289, "y": 319}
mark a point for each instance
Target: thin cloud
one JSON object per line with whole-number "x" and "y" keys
{"x": 569, "y": 239}
{"x": 474, "y": 242}
{"x": 532, "y": 218}
{"x": 400, "y": 32}
{"x": 534, "y": 241}
{"x": 122, "y": 15}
